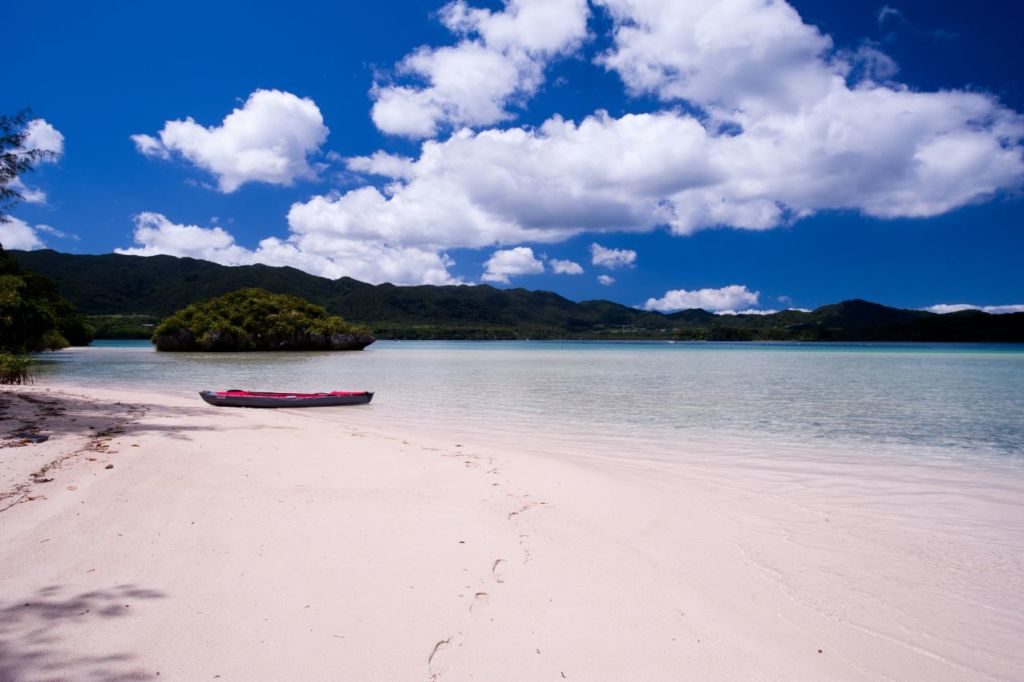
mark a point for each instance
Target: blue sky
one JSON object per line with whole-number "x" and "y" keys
{"x": 727, "y": 154}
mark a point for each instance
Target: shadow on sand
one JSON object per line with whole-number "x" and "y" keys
{"x": 38, "y": 635}
{"x": 69, "y": 414}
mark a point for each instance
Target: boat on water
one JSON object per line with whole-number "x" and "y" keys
{"x": 239, "y": 398}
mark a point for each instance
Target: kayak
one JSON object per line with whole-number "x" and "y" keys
{"x": 237, "y": 398}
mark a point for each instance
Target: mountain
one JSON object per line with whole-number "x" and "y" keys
{"x": 128, "y": 290}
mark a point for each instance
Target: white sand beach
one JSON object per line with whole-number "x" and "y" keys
{"x": 159, "y": 537}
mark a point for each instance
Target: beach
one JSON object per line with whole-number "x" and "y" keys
{"x": 151, "y": 535}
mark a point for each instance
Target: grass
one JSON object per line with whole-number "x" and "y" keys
{"x": 16, "y": 368}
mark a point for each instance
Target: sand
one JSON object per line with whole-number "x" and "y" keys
{"x": 158, "y": 537}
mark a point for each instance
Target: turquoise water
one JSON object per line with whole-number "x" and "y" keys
{"x": 944, "y": 401}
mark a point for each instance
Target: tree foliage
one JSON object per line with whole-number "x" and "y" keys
{"x": 255, "y": 319}
{"x": 15, "y": 158}
{"x": 33, "y": 314}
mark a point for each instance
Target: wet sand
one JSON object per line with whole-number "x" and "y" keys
{"x": 152, "y": 536}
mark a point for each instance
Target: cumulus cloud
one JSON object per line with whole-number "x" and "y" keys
{"x": 498, "y": 61}
{"x": 943, "y": 308}
{"x": 17, "y": 234}
{"x": 725, "y": 55}
{"x": 748, "y": 311}
{"x": 511, "y": 262}
{"x": 267, "y": 140}
{"x": 368, "y": 261}
{"x": 758, "y": 311}
{"x": 729, "y": 298}
{"x": 383, "y": 164}
{"x": 606, "y": 280}
{"x": 815, "y": 141}
{"x": 611, "y": 258}
{"x": 156, "y": 235}
{"x": 787, "y": 127}
{"x": 565, "y": 267}
{"x": 882, "y": 151}
{"x": 514, "y": 186}
{"x": 44, "y": 137}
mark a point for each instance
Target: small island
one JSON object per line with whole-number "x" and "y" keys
{"x": 258, "y": 320}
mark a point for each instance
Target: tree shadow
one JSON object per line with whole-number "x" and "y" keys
{"x": 96, "y": 430}
{"x": 37, "y": 635}
{"x": 69, "y": 414}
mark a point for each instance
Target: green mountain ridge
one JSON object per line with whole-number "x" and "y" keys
{"x": 155, "y": 286}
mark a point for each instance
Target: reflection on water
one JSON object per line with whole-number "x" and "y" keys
{"x": 951, "y": 400}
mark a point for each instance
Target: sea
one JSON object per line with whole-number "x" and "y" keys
{"x": 961, "y": 404}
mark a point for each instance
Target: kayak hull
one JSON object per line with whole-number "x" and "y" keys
{"x": 270, "y": 399}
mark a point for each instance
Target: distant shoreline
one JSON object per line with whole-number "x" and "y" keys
{"x": 656, "y": 341}
{"x": 124, "y": 293}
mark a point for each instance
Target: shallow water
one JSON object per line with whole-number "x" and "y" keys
{"x": 956, "y": 403}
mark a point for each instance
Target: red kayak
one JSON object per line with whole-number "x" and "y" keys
{"x": 236, "y": 398}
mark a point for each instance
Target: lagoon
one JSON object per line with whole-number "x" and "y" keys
{"x": 948, "y": 401}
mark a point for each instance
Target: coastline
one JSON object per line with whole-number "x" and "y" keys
{"x": 324, "y": 544}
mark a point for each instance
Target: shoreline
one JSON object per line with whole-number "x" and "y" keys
{"x": 323, "y": 544}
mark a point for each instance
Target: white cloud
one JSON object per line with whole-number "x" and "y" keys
{"x": 514, "y": 186}
{"x": 39, "y": 135}
{"x": 808, "y": 140}
{"x": 544, "y": 27}
{"x": 511, "y": 262}
{"x": 48, "y": 229}
{"x": 606, "y": 280}
{"x": 565, "y": 267}
{"x": 384, "y": 164}
{"x": 727, "y": 299}
{"x": 267, "y": 140}
{"x": 943, "y": 308}
{"x": 611, "y": 258}
{"x": 44, "y": 137}
{"x": 499, "y": 60}
{"x": 150, "y": 146}
{"x": 793, "y": 129}
{"x": 725, "y": 55}
{"x": 368, "y": 261}
{"x": 30, "y": 195}
{"x": 17, "y": 234}
{"x": 758, "y": 311}
{"x": 885, "y": 152}
{"x": 748, "y": 311}
{"x": 157, "y": 235}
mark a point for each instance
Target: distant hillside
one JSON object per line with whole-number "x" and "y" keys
{"x": 150, "y": 288}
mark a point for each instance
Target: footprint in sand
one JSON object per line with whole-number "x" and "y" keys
{"x": 434, "y": 666}
{"x": 479, "y": 599}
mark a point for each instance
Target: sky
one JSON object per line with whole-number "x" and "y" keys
{"x": 666, "y": 154}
